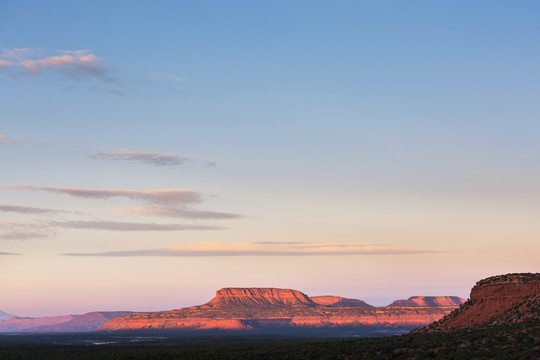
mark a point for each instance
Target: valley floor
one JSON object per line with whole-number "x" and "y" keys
{"x": 506, "y": 342}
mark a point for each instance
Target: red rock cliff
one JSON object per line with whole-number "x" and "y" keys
{"x": 257, "y": 297}
{"x": 430, "y": 301}
{"x": 490, "y": 301}
{"x": 338, "y": 301}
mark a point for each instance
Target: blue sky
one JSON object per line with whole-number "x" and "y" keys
{"x": 407, "y": 130}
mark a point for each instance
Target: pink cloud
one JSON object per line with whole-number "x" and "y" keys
{"x": 265, "y": 249}
{"x": 73, "y": 64}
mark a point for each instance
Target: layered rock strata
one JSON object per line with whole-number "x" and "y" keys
{"x": 430, "y": 301}
{"x": 263, "y": 308}
{"x": 503, "y": 299}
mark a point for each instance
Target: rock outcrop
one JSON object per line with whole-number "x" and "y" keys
{"x": 497, "y": 300}
{"x": 430, "y": 301}
{"x": 338, "y": 301}
{"x": 257, "y": 298}
{"x": 268, "y": 308}
{"x": 65, "y": 323}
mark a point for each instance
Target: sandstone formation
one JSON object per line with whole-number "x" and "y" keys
{"x": 430, "y": 301}
{"x": 65, "y": 323}
{"x": 338, "y": 301}
{"x": 267, "y": 308}
{"x": 257, "y": 298}
{"x": 498, "y": 300}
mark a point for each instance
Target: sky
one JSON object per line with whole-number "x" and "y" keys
{"x": 153, "y": 152}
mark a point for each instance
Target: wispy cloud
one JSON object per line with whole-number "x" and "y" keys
{"x": 73, "y": 64}
{"x": 147, "y": 157}
{"x": 160, "y": 197}
{"x": 27, "y": 209}
{"x": 4, "y": 139}
{"x": 173, "y": 203}
{"x": 24, "y": 230}
{"x": 130, "y": 226}
{"x": 263, "y": 249}
{"x": 8, "y": 253}
{"x": 160, "y": 77}
{"x": 179, "y": 213}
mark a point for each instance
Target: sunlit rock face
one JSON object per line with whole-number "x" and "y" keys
{"x": 265, "y": 308}
{"x": 258, "y": 297}
{"x": 503, "y": 299}
{"x": 430, "y": 301}
{"x": 338, "y": 301}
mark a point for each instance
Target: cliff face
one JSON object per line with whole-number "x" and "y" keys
{"x": 430, "y": 301}
{"x": 499, "y": 299}
{"x": 338, "y": 301}
{"x": 65, "y": 323}
{"x": 257, "y": 298}
{"x": 319, "y": 317}
{"x": 264, "y": 308}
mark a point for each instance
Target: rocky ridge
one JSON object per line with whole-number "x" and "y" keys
{"x": 338, "y": 301}
{"x": 65, "y": 323}
{"x": 270, "y": 308}
{"x": 430, "y": 301}
{"x": 498, "y": 300}
{"x": 257, "y": 298}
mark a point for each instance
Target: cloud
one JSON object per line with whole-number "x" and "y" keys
{"x": 179, "y": 213}
{"x": 173, "y": 203}
{"x": 147, "y": 157}
{"x": 129, "y": 226}
{"x": 160, "y": 77}
{"x": 76, "y": 65}
{"x": 262, "y": 249}
{"x": 168, "y": 197}
{"x": 4, "y": 140}
{"x": 8, "y": 253}
{"x": 26, "y": 209}
{"x": 23, "y": 230}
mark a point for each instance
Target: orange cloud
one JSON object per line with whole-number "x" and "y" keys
{"x": 264, "y": 249}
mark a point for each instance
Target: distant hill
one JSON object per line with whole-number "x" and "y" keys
{"x": 338, "y": 301}
{"x": 5, "y": 316}
{"x": 430, "y": 301}
{"x": 65, "y": 323}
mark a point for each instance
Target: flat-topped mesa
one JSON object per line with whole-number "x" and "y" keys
{"x": 258, "y": 298}
{"x": 338, "y": 301}
{"x": 429, "y": 301}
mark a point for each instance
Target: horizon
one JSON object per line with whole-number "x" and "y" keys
{"x": 153, "y": 153}
{"x": 204, "y": 302}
